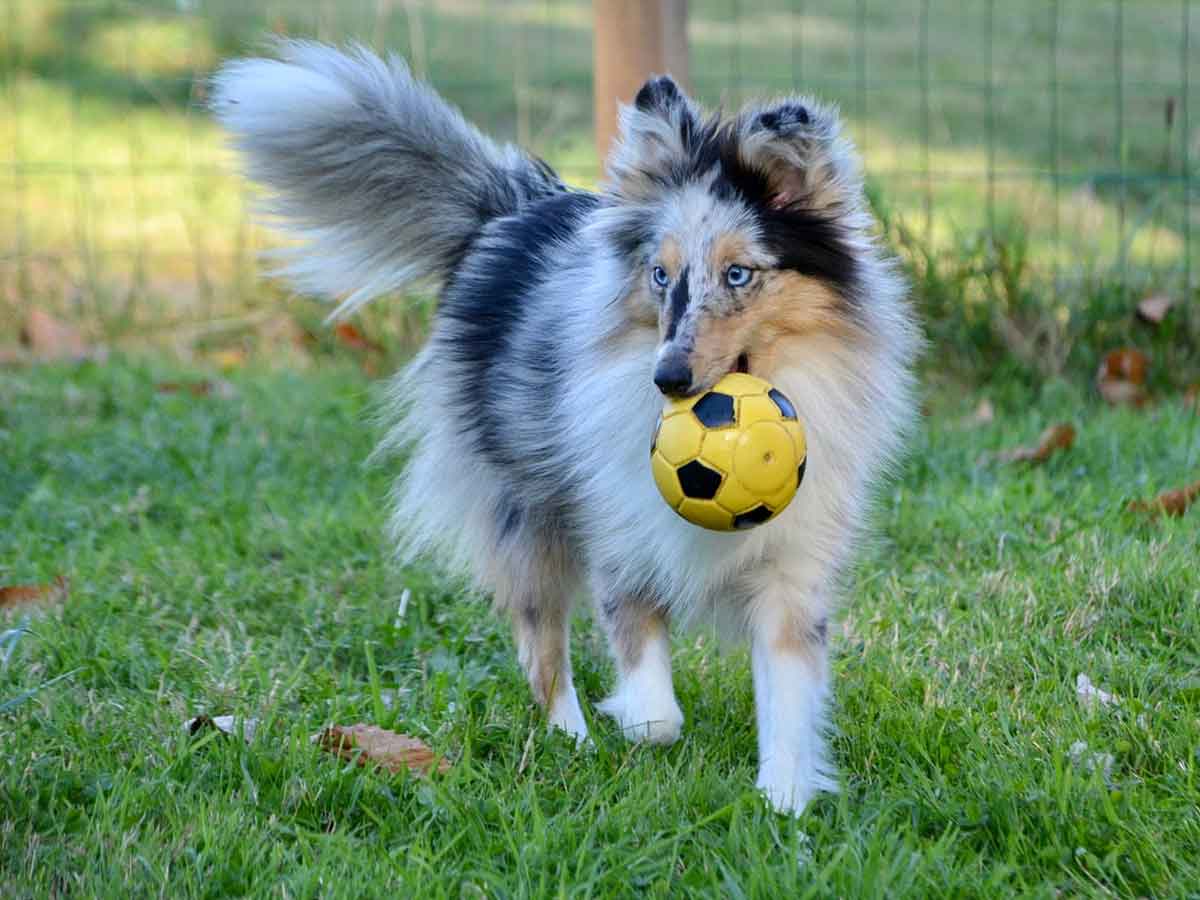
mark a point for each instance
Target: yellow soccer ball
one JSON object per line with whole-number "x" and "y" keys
{"x": 730, "y": 458}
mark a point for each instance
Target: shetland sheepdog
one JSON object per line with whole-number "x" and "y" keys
{"x": 716, "y": 243}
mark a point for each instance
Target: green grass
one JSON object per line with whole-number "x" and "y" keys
{"x": 119, "y": 203}
{"x": 225, "y": 556}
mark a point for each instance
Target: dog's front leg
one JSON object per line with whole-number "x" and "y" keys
{"x": 643, "y": 703}
{"x": 542, "y": 631}
{"x": 791, "y": 688}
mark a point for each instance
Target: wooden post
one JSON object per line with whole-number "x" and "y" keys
{"x": 633, "y": 41}
{"x": 674, "y": 40}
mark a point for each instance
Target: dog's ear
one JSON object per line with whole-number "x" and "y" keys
{"x": 654, "y": 136}
{"x": 797, "y": 145}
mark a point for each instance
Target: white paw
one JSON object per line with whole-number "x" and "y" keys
{"x": 789, "y": 785}
{"x": 642, "y": 719}
{"x": 565, "y": 713}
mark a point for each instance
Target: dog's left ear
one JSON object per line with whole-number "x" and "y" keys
{"x": 797, "y": 145}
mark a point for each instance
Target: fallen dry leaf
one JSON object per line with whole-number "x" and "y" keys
{"x": 283, "y": 329}
{"x": 227, "y": 358}
{"x": 1153, "y": 309}
{"x": 984, "y": 413}
{"x": 1191, "y": 398}
{"x": 49, "y": 338}
{"x": 370, "y": 743}
{"x": 1121, "y": 378}
{"x": 25, "y": 594}
{"x": 195, "y": 388}
{"x": 1090, "y": 696}
{"x": 1055, "y": 438}
{"x": 349, "y": 336}
{"x": 1121, "y": 393}
{"x": 1127, "y": 364}
{"x": 223, "y": 724}
{"x": 204, "y": 388}
{"x": 1170, "y": 503}
{"x": 11, "y": 355}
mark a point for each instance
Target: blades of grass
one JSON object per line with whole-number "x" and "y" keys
{"x": 377, "y": 703}
{"x": 11, "y": 704}
{"x": 247, "y": 778}
{"x": 8, "y": 641}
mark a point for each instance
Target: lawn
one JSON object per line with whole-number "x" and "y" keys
{"x": 224, "y": 556}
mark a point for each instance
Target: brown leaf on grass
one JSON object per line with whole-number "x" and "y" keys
{"x": 227, "y": 358}
{"x": 349, "y": 336}
{"x": 12, "y": 355}
{"x": 1121, "y": 393}
{"x": 1127, "y": 364}
{"x": 205, "y": 388}
{"x": 984, "y": 413}
{"x": 284, "y": 329}
{"x": 1121, "y": 378}
{"x": 1169, "y": 503}
{"x": 1055, "y": 438}
{"x": 372, "y": 744}
{"x": 1191, "y": 398}
{"x": 195, "y": 388}
{"x": 1153, "y": 309}
{"x": 27, "y": 594}
{"x": 48, "y": 338}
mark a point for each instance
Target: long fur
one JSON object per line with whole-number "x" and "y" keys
{"x": 382, "y": 182}
{"x": 527, "y": 415}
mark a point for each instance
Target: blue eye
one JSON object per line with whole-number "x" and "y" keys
{"x": 660, "y": 276}
{"x": 738, "y": 276}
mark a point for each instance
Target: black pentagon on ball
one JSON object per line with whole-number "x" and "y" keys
{"x": 714, "y": 410}
{"x": 756, "y": 516}
{"x": 699, "y": 481}
{"x": 785, "y": 405}
{"x": 800, "y": 471}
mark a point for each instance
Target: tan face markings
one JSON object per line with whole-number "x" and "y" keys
{"x": 718, "y": 342}
{"x": 791, "y": 303}
{"x": 732, "y": 247}
{"x": 670, "y": 256}
{"x": 781, "y": 308}
{"x": 764, "y": 319}
{"x": 791, "y": 306}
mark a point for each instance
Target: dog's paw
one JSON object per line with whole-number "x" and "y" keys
{"x": 653, "y": 722}
{"x": 565, "y": 714}
{"x": 789, "y": 785}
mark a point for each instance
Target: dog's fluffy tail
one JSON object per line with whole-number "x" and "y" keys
{"x": 381, "y": 180}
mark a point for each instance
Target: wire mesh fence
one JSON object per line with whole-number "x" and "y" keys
{"x": 1062, "y": 130}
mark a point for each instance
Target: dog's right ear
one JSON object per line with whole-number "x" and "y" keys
{"x": 654, "y": 136}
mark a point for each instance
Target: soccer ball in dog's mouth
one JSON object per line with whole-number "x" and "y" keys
{"x": 730, "y": 458}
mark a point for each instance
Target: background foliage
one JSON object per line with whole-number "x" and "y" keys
{"x": 1034, "y": 161}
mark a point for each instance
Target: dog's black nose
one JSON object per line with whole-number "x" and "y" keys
{"x": 673, "y": 375}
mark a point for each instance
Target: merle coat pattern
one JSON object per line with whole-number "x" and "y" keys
{"x": 714, "y": 244}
